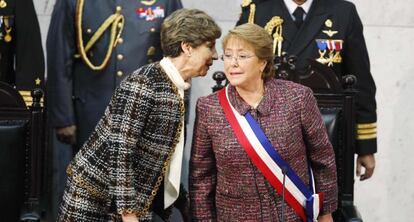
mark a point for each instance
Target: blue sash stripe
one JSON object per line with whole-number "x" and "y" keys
{"x": 276, "y": 157}
{"x": 309, "y": 208}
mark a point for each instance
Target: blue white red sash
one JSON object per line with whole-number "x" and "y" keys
{"x": 303, "y": 200}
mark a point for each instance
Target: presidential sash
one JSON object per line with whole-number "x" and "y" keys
{"x": 304, "y": 201}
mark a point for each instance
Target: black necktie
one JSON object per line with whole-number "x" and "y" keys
{"x": 298, "y": 13}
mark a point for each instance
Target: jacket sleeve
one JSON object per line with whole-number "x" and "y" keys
{"x": 30, "y": 64}
{"x": 320, "y": 152}
{"x": 129, "y": 109}
{"x": 203, "y": 172}
{"x": 61, "y": 48}
{"x": 357, "y": 63}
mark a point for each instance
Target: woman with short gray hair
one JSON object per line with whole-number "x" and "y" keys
{"x": 130, "y": 166}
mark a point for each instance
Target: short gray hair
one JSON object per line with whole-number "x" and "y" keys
{"x": 191, "y": 26}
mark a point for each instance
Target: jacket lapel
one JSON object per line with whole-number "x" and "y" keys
{"x": 310, "y": 28}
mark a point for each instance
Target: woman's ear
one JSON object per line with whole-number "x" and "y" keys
{"x": 263, "y": 65}
{"x": 187, "y": 49}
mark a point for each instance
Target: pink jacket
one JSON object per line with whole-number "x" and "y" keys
{"x": 224, "y": 183}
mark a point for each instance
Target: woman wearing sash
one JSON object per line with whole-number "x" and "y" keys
{"x": 130, "y": 167}
{"x": 260, "y": 148}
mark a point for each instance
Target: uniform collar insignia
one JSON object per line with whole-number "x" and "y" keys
{"x": 148, "y": 2}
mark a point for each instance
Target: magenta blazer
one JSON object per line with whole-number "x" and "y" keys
{"x": 224, "y": 183}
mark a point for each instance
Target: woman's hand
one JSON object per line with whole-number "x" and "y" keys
{"x": 325, "y": 218}
{"x": 129, "y": 218}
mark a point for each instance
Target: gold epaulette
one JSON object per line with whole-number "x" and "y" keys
{"x": 366, "y": 131}
{"x": 115, "y": 22}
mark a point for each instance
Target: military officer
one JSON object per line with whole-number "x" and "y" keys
{"x": 92, "y": 46}
{"x": 331, "y": 33}
{"x": 21, "y": 54}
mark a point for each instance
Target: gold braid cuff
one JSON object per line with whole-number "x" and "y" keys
{"x": 116, "y": 21}
{"x": 366, "y": 131}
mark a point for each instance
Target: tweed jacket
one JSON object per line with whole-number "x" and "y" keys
{"x": 121, "y": 166}
{"x": 224, "y": 183}
{"x": 327, "y": 20}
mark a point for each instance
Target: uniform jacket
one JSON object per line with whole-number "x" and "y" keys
{"x": 302, "y": 42}
{"x": 79, "y": 95}
{"x": 21, "y": 54}
{"x": 118, "y": 167}
{"x": 224, "y": 183}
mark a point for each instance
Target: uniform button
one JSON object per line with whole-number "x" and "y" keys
{"x": 120, "y": 57}
{"x": 152, "y": 29}
{"x": 118, "y": 8}
{"x": 119, "y": 73}
{"x": 120, "y": 40}
{"x": 89, "y": 31}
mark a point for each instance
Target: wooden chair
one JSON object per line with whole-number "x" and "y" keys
{"x": 22, "y": 146}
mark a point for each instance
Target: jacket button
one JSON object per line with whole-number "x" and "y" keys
{"x": 120, "y": 40}
{"x": 120, "y": 57}
{"x": 119, "y": 73}
{"x": 89, "y": 31}
{"x": 152, "y": 29}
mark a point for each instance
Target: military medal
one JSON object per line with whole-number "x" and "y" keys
{"x": 329, "y": 49}
{"x": 3, "y": 4}
{"x": 321, "y": 43}
{"x": 150, "y": 13}
{"x": 336, "y": 45}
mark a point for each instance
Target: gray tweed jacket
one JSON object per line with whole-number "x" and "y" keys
{"x": 121, "y": 166}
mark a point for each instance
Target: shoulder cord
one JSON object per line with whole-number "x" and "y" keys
{"x": 275, "y": 23}
{"x": 116, "y": 21}
{"x": 252, "y": 13}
